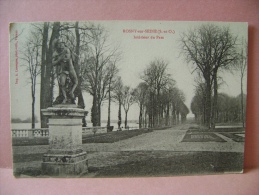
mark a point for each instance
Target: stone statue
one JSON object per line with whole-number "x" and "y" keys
{"x": 66, "y": 74}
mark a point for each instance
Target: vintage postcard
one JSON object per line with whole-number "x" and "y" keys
{"x": 128, "y": 98}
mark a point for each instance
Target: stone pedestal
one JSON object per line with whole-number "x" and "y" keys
{"x": 65, "y": 156}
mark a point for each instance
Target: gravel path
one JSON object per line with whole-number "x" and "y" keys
{"x": 169, "y": 139}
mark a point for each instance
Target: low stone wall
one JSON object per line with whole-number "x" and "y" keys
{"x": 40, "y": 132}
{"x": 44, "y": 132}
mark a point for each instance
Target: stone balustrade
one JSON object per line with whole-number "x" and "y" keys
{"x": 40, "y": 132}
{"x": 44, "y": 132}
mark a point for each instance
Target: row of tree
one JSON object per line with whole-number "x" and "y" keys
{"x": 229, "y": 109}
{"x": 96, "y": 64}
{"x": 160, "y": 102}
{"x": 211, "y": 49}
{"x": 93, "y": 59}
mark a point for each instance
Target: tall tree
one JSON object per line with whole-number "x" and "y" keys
{"x": 117, "y": 95}
{"x": 140, "y": 95}
{"x": 112, "y": 71}
{"x": 47, "y": 73}
{"x": 241, "y": 68}
{"x": 96, "y": 72}
{"x": 178, "y": 99}
{"x": 209, "y": 48}
{"x": 198, "y": 103}
{"x": 77, "y": 67}
{"x": 156, "y": 78}
{"x": 32, "y": 59}
{"x": 127, "y": 101}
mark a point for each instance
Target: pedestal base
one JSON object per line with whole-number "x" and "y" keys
{"x": 65, "y": 156}
{"x": 64, "y": 165}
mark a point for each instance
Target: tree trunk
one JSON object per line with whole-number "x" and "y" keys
{"x": 99, "y": 114}
{"x": 78, "y": 90}
{"x": 126, "y": 118}
{"x": 174, "y": 114}
{"x": 44, "y": 75}
{"x": 119, "y": 115}
{"x": 167, "y": 114}
{"x": 215, "y": 100}
{"x": 150, "y": 111}
{"x": 47, "y": 76}
{"x": 140, "y": 116}
{"x": 33, "y": 107}
{"x": 177, "y": 117}
{"x": 145, "y": 119}
{"x": 109, "y": 106}
{"x": 204, "y": 113}
{"x": 94, "y": 112}
{"x": 153, "y": 110}
{"x": 81, "y": 103}
{"x": 158, "y": 107}
{"x": 242, "y": 102}
{"x": 208, "y": 100}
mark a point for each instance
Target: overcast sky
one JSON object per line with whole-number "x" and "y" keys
{"x": 137, "y": 54}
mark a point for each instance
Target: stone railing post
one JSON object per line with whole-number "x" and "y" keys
{"x": 30, "y": 133}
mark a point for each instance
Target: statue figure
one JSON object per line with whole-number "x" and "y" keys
{"x": 62, "y": 59}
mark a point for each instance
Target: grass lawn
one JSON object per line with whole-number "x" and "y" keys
{"x": 202, "y": 134}
{"x": 234, "y": 136}
{"x": 25, "y": 141}
{"x": 17, "y": 158}
{"x": 168, "y": 163}
{"x": 146, "y": 163}
{"x": 202, "y": 137}
{"x": 194, "y": 129}
{"x": 113, "y": 136}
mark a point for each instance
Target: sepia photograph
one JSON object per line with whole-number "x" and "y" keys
{"x": 97, "y": 99}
